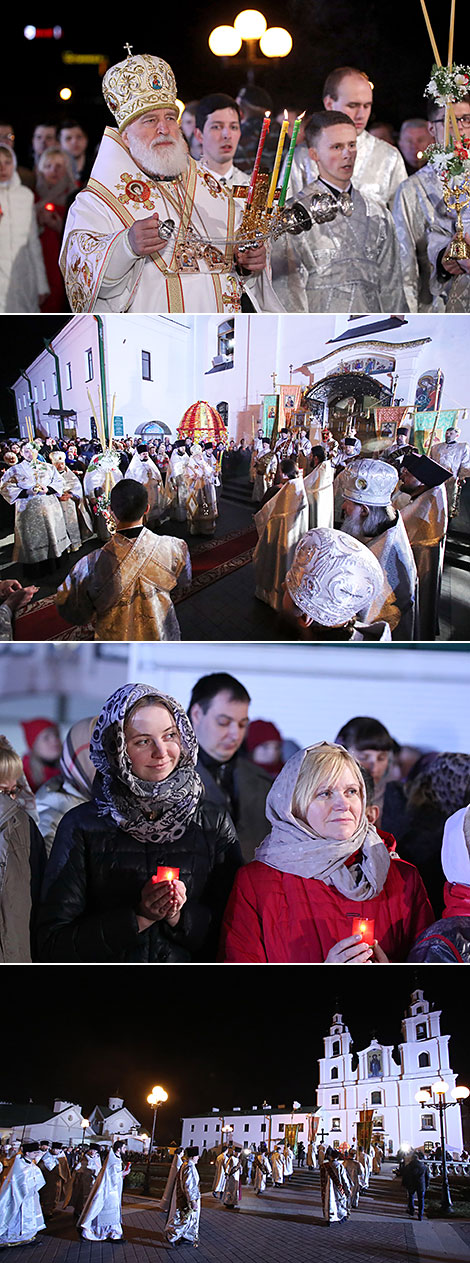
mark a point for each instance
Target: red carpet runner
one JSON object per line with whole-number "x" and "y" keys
{"x": 211, "y": 560}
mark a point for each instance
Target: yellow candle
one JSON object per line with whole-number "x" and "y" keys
{"x": 277, "y": 161}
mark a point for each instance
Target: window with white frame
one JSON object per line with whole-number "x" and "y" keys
{"x": 146, "y": 366}
{"x": 428, "y": 1122}
{"x": 336, "y": 1124}
{"x": 44, "y": 389}
{"x": 68, "y": 376}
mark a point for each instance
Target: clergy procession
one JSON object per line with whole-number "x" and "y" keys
{"x": 349, "y": 543}
{"x": 38, "y": 1180}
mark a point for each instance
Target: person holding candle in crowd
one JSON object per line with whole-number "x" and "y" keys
{"x": 153, "y": 231}
{"x": 323, "y": 886}
{"x": 349, "y": 260}
{"x": 103, "y": 899}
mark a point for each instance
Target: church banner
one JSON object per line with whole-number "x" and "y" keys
{"x": 270, "y": 416}
{"x": 290, "y": 1135}
{"x": 364, "y": 1129}
{"x": 431, "y": 426}
{"x": 289, "y": 401}
{"x": 387, "y": 421}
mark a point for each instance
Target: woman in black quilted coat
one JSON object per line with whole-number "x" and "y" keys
{"x": 101, "y": 899}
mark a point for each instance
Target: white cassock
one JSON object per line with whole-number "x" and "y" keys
{"x": 280, "y": 524}
{"x": 147, "y": 473}
{"x": 349, "y": 264}
{"x": 335, "y": 1191}
{"x": 193, "y": 272}
{"x": 40, "y": 530}
{"x": 397, "y": 603}
{"x": 312, "y": 1156}
{"x": 378, "y": 170}
{"x": 176, "y": 1163}
{"x": 288, "y": 1162}
{"x": 377, "y": 1160}
{"x": 319, "y": 488}
{"x": 184, "y": 1223}
{"x": 262, "y": 1168}
{"x": 218, "y": 1184}
{"x": 418, "y": 208}
{"x": 366, "y": 1164}
{"x": 456, "y": 458}
{"x": 425, "y": 518}
{"x": 232, "y": 1167}
{"x": 74, "y": 507}
{"x": 201, "y": 500}
{"x": 278, "y": 1166}
{"x": 101, "y": 1217}
{"x": 20, "y": 1209}
{"x": 355, "y": 1172}
{"x": 101, "y": 476}
{"x": 176, "y": 487}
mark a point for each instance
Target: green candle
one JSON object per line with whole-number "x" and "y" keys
{"x": 290, "y": 159}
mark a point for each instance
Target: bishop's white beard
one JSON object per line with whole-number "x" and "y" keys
{"x": 353, "y": 524}
{"x": 160, "y": 159}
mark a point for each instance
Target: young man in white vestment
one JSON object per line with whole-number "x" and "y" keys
{"x": 184, "y": 1223}
{"x": 101, "y": 1217}
{"x": 348, "y": 260}
{"x": 335, "y": 1188}
{"x": 124, "y": 588}
{"x": 379, "y": 167}
{"x": 20, "y": 1209}
{"x": 153, "y": 230}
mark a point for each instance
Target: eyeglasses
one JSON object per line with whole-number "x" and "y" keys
{"x": 463, "y": 121}
{"x": 9, "y": 793}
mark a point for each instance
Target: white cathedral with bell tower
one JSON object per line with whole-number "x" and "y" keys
{"x": 374, "y": 1079}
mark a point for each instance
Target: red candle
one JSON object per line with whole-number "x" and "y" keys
{"x": 166, "y": 874}
{"x": 365, "y": 929}
{"x": 254, "y": 174}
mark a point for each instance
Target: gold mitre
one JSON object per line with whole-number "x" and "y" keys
{"x": 137, "y": 85}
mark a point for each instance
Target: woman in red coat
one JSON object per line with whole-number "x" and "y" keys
{"x": 323, "y": 868}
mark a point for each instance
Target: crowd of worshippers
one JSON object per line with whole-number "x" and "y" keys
{"x": 349, "y": 547}
{"x": 161, "y": 836}
{"x": 366, "y": 227}
{"x": 57, "y": 496}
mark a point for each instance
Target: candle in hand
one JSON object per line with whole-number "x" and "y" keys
{"x": 277, "y": 161}
{"x": 166, "y": 874}
{"x": 254, "y": 174}
{"x": 290, "y": 159}
{"x": 365, "y": 928}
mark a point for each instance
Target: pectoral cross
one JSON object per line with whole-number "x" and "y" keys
{"x": 274, "y": 377}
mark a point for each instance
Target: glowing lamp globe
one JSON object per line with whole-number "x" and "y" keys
{"x": 224, "y": 41}
{"x": 422, "y": 1096}
{"x": 276, "y": 42}
{"x": 250, "y": 24}
{"x": 440, "y": 1087}
{"x": 460, "y": 1093}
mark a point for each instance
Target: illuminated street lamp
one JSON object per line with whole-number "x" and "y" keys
{"x": 84, "y": 1124}
{"x": 157, "y": 1097}
{"x": 436, "y": 1095}
{"x": 250, "y": 27}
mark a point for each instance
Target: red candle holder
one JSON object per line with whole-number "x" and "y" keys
{"x": 166, "y": 874}
{"x": 365, "y": 928}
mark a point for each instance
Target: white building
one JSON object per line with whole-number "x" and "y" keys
{"x": 348, "y": 1083}
{"x": 157, "y": 366}
{"x": 65, "y": 1123}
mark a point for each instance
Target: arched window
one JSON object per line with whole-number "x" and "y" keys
{"x": 336, "y": 1048}
{"x": 222, "y": 409}
{"x": 376, "y": 1098}
{"x": 424, "y": 1059}
{"x": 334, "y": 1072}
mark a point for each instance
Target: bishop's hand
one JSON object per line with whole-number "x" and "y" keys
{"x": 144, "y": 236}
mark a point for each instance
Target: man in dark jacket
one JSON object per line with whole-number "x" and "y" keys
{"x": 218, "y": 711}
{"x": 415, "y": 1178}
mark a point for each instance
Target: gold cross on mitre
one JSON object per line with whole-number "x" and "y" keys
{"x": 128, "y": 48}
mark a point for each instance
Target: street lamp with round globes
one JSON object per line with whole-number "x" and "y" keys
{"x": 424, "y": 1097}
{"x": 156, "y": 1097}
{"x": 250, "y": 26}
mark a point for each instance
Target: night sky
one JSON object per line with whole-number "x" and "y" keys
{"x": 210, "y": 1035}
{"x": 389, "y": 42}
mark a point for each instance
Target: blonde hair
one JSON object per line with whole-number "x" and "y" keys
{"x": 322, "y": 766}
{"x": 10, "y": 762}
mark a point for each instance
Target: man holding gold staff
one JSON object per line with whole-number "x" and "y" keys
{"x": 153, "y": 231}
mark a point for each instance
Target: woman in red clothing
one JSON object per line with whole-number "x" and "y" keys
{"x": 54, "y": 185}
{"x": 323, "y": 866}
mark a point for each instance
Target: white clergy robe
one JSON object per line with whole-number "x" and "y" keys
{"x": 184, "y": 1222}
{"x": 194, "y": 272}
{"x": 40, "y": 530}
{"x": 378, "y": 170}
{"x": 425, "y": 517}
{"x": 101, "y": 1218}
{"x": 335, "y": 1191}
{"x": 147, "y": 473}
{"x": 397, "y": 603}
{"x": 280, "y": 524}
{"x": 20, "y": 1210}
{"x": 124, "y": 588}
{"x": 319, "y": 488}
{"x": 348, "y": 264}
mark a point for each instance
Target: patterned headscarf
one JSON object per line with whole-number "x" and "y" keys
{"x": 151, "y": 812}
